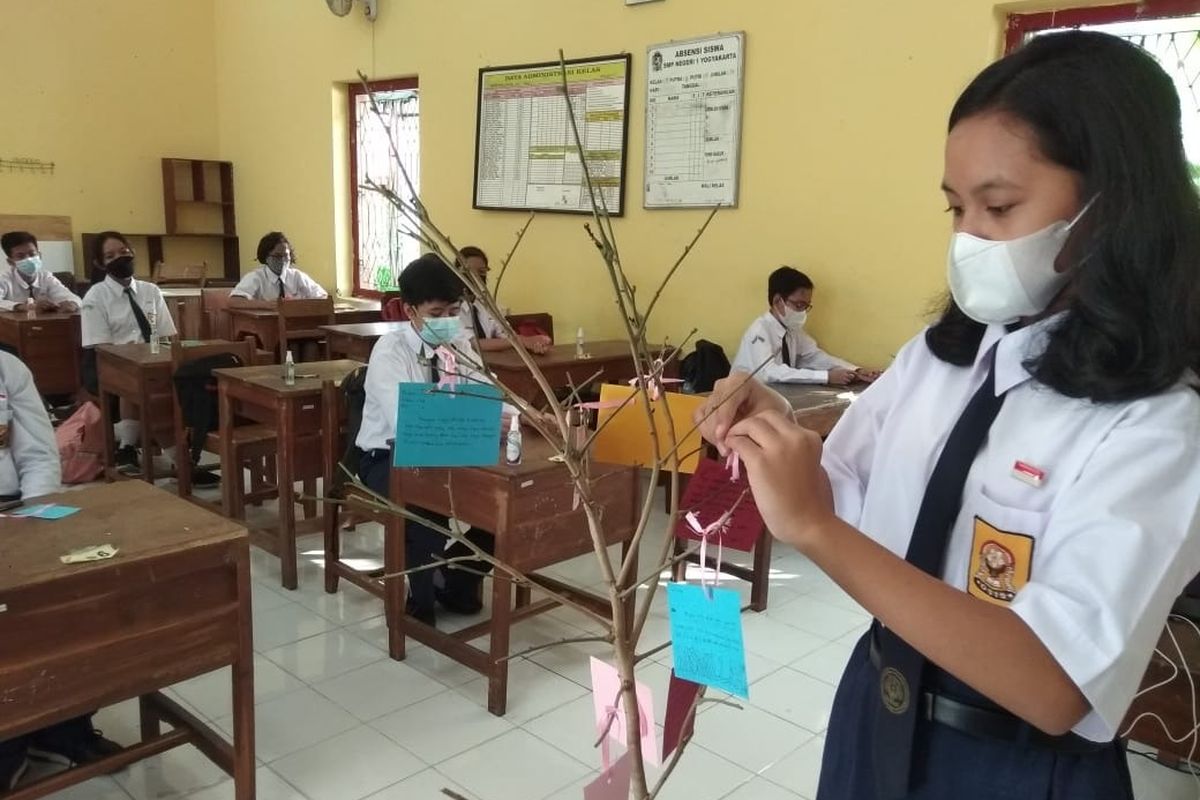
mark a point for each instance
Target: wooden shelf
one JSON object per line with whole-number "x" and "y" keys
{"x": 198, "y": 202}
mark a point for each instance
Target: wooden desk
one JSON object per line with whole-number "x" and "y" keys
{"x": 263, "y": 323}
{"x": 81, "y": 637}
{"x": 49, "y": 346}
{"x": 528, "y": 508}
{"x": 295, "y": 412}
{"x": 816, "y": 406}
{"x": 132, "y": 372}
{"x": 357, "y": 340}
{"x": 562, "y": 368}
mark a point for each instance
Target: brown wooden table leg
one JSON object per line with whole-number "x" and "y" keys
{"x": 148, "y": 719}
{"x": 106, "y": 421}
{"x": 394, "y": 589}
{"x": 287, "y": 495}
{"x": 501, "y": 622}
{"x": 762, "y": 571}
{"x": 147, "y": 432}
{"x": 229, "y": 481}
{"x": 243, "y": 690}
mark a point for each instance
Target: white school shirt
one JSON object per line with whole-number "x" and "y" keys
{"x": 29, "y": 466}
{"x": 15, "y": 291}
{"x": 397, "y": 358}
{"x": 1114, "y": 525}
{"x": 490, "y": 325}
{"x": 108, "y": 318}
{"x": 263, "y": 284}
{"x": 764, "y": 337}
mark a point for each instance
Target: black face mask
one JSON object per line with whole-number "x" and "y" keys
{"x": 120, "y": 268}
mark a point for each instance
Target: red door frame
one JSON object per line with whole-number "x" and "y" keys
{"x": 1019, "y": 25}
{"x": 356, "y": 91}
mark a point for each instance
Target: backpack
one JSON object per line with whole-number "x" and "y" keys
{"x": 703, "y": 367}
{"x": 354, "y": 397}
{"x": 196, "y": 390}
{"x": 80, "y": 441}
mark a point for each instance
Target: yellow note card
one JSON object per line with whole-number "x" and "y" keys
{"x": 626, "y": 438}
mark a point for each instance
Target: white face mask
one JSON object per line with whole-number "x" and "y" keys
{"x": 998, "y": 282}
{"x": 794, "y": 319}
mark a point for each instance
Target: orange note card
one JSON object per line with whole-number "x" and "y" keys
{"x": 626, "y": 436}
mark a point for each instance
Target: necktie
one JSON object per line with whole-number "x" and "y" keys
{"x": 138, "y": 314}
{"x": 478, "y": 324}
{"x": 787, "y": 351}
{"x": 901, "y": 667}
{"x": 282, "y": 291}
{"x": 434, "y": 373}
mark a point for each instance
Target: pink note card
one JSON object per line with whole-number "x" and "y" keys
{"x": 606, "y": 685}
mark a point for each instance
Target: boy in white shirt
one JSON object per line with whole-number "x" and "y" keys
{"x": 476, "y": 317}
{"x": 117, "y": 311}
{"x": 277, "y": 277}
{"x": 778, "y": 339}
{"x": 26, "y": 279}
{"x": 431, "y": 293}
{"x": 29, "y": 468}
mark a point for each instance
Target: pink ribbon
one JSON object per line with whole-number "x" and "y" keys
{"x": 447, "y": 368}
{"x": 718, "y": 527}
{"x": 605, "y": 728}
{"x": 656, "y": 370}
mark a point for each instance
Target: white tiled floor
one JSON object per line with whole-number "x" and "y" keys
{"x": 338, "y": 720}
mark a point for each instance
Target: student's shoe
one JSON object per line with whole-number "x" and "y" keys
{"x": 12, "y": 769}
{"x": 420, "y": 613}
{"x": 71, "y": 750}
{"x": 458, "y": 603}
{"x": 203, "y": 478}
{"x": 126, "y": 458}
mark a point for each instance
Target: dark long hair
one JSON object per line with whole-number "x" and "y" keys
{"x": 1103, "y": 108}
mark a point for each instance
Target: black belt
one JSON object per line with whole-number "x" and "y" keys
{"x": 374, "y": 455}
{"x": 992, "y": 723}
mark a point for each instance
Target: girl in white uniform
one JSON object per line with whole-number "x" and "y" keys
{"x": 1015, "y": 500}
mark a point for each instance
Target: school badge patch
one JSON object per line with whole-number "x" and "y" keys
{"x": 1000, "y": 563}
{"x": 893, "y": 690}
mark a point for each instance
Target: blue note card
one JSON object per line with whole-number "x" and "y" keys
{"x": 706, "y": 637}
{"x": 440, "y": 428}
{"x": 45, "y": 511}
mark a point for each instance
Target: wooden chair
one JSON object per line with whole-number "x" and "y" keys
{"x": 214, "y": 306}
{"x": 301, "y": 320}
{"x": 540, "y": 320}
{"x": 391, "y": 307}
{"x": 254, "y": 446}
{"x": 180, "y": 274}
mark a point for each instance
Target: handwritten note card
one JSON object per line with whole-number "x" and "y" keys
{"x": 710, "y": 493}
{"x": 606, "y": 685}
{"x": 625, "y": 438}
{"x": 444, "y": 428}
{"x": 613, "y": 784}
{"x": 45, "y": 511}
{"x": 706, "y": 637}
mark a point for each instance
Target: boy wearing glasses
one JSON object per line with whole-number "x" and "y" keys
{"x": 778, "y": 338}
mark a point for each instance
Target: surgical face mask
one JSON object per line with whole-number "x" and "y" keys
{"x": 795, "y": 319}
{"x": 999, "y": 282}
{"x": 120, "y": 268}
{"x": 278, "y": 264}
{"x": 28, "y": 266}
{"x": 441, "y": 330}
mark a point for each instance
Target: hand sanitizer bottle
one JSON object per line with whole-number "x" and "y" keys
{"x": 579, "y": 353}
{"x": 512, "y": 450}
{"x": 152, "y": 318}
{"x": 31, "y": 308}
{"x": 289, "y": 370}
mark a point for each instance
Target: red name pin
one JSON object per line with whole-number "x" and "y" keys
{"x": 1027, "y": 473}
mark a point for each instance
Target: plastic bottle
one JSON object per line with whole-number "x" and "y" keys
{"x": 512, "y": 450}
{"x": 31, "y": 308}
{"x": 579, "y": 353}
{"x": 152, "y": 318}
{"x": 289, "y": 370}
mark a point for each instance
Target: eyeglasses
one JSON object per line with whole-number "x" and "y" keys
{"x": 798, "y": 306}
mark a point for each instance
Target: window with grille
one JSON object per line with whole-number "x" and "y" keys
{"x": 382, "y": 242}
{"x": 1167, "y": 29}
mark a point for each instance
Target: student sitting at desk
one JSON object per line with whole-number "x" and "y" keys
{"x": 778, "y": 339}
{"x": 478, "y": 318}
{"x": 431, "y": 293}
{"x": 276, "y": 279}
{"x": 26, "y": 279}
{"x": 115, "y": 311}
{"x": 29, "y": 467}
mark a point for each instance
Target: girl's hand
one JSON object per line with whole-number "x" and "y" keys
{"x": 783, "y": 464}
{"x": 734, "y": 398}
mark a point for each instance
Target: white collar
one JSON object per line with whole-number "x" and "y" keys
{"x": 1014, "y": 349}
{"x": 414, "y": 341}
{"x": 116, "y": 286}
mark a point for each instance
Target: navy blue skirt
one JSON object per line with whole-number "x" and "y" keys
{"x": 950, "y": 765}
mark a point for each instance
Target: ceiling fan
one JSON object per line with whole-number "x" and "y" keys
{"x": 342, "y": 7}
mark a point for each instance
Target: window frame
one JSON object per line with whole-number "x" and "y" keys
{"x": 1018, "y": 26}
{"x": 357, "y": 90}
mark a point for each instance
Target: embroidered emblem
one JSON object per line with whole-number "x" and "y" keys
{"x": 1000, "y": 563}
{"x": 995, "y": 574}
{"x": 893, "y": 689}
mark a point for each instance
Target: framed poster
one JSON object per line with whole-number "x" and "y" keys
{"x": 694, "y": 121}
{"x": 526, "y": 156}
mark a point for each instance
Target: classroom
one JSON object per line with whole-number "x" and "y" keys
{"x": 389, "y": 408}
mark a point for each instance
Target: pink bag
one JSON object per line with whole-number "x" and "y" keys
{"x": 80, "y": 443}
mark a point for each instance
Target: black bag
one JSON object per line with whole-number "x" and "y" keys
{"x": 196, "y": 390}
{"x": 703, "y": 367}
{"x": 354, "y": 397}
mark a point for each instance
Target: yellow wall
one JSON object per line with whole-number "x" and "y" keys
{"x": 841, "y": 154}
{"x": 104, "y": 90}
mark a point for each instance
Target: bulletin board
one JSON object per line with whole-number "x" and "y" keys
{"x": 694, "y": 121}
{"x": 526, "y": 156}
